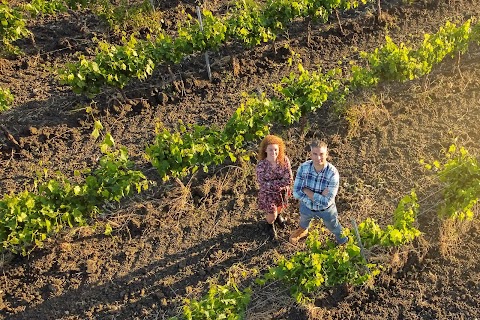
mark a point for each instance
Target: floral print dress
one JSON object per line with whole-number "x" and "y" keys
{"x": 274, "y": 182}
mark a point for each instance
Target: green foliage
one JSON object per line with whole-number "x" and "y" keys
{"x": 460, "y": 175}
{"x": 177, "y": 154}
{"x": 254, "y": 22}
{"x": 401, "y": 62}
{"x": 401, "y": 232}
{"x": 448, "y": 41}
{"x": 392, "y": 61}
{"x": 164, "y": 49}
{"x": 278, "y": 13}
{"x": 251, "y": 121}
{"x": 114, "y": 178}
{"x": 6, "y": 99}
{"x": 124, "y": 16}
{"x": 305, "y": 93}
{"x": 121, "y": 14}
{"x": 27, "y": 218}
{"x": 45, "y": 7}
{"x": 476, "y": 33}
{"x": 362, "y": 77}
{"x": 113, "y": 65}
{"x": 221, "y": 302}
{"x": 12, "y": 27}
{"x": 248, "y": 22}
{"x": 192, "y": 39}
{"x": 322, "y": 265}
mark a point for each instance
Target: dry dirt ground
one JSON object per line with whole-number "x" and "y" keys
{"x": 170, "y": 242}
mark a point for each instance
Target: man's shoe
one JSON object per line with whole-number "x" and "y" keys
{"x": 281, "y": 221}
{"x": 297, "y": 235}
{"x": 342, "y": 241}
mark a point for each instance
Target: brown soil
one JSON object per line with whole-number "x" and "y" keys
{"x": 171, "y": 242}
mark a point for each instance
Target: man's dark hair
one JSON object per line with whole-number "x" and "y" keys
{"x": 318, "y": 144}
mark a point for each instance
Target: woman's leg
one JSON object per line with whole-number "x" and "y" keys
{"x": 271, "y": 216}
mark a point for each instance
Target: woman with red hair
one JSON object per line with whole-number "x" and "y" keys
{"x": 274, "y": 176}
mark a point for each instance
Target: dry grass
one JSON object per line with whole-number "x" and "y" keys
{"x": 316, "y": 313}
{"x": 392, "y": 259}
{"x": 270, "y": 302}
{"x": 180, "y": 198}
{"x": 450, "y": 236}
{"x": 365, "y": 116}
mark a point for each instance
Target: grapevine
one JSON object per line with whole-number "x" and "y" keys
{"x": 460, "y": 176}
{"x": 29, "y": 217}
{"x": 221, "y": 302}
{"x": 12, "y": 27}
{"x": 249, "y": 23}
{"x": 6, "y": 99}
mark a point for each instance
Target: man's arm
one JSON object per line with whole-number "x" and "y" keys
{"x": 328, "y": 194}
{"x": 311, "y": 195}
{"x": 298, "y": 193}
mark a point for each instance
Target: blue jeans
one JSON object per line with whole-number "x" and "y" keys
{"x": 329, "y": 217}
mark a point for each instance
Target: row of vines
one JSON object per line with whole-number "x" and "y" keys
{"x": 13, "y": 22}
{"x": 249, "y": 22}
{"x": 325, "y": 264}
{"x": 27, "y": 217}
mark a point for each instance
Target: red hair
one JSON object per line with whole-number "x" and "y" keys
{"x": 271, "y": 139}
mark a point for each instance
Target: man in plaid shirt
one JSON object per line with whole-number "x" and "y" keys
{"x": 316, "y": 185}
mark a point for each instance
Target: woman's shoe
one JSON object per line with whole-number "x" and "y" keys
{"x": 281, "y": 221}
{"x": 269, "y": 230}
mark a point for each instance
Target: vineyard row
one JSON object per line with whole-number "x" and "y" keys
{"x": 29, "y": 217}
{"x": 179, "y": 153}
{"x": 248, "y": 22}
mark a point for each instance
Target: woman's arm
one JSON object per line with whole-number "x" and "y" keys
{"x": 286, "y": 178}
{"x": 262, "y": 175}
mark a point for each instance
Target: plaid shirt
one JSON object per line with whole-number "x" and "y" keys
{"x": 308, "y": 177}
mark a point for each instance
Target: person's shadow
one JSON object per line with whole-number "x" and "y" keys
{"x": 144, "y": 287}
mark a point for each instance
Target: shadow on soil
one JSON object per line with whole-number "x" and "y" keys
{"x": 144, "y": 287}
